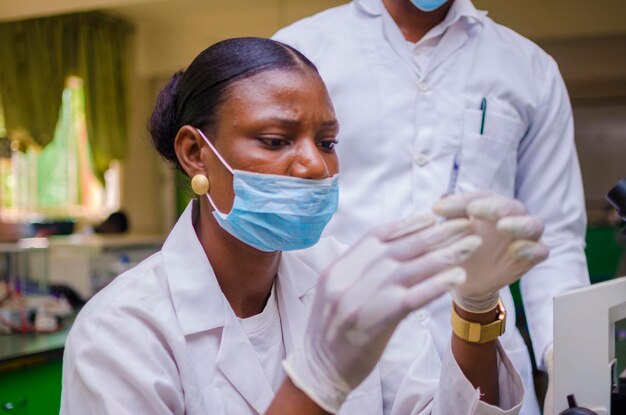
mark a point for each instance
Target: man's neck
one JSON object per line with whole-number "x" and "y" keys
{"x": 413, "y": 22}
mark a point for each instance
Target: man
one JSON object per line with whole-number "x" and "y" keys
{"x": 433, "y": 97}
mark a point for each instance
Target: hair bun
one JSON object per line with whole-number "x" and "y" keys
{"x": 164, "y": 122}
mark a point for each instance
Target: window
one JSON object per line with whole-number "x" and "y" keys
{"x": 57, "y": 181}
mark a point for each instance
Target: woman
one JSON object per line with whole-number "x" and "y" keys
{"x": 202, "y": 326}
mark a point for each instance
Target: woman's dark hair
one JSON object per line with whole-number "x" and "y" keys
{"x": 192, "y": 97}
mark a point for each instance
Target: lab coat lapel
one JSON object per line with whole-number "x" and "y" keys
{"x": 453, "y": 39}
{"x": 196, "y": 295}
{"x": 295, "y": 280}
{"x": 195, "y": 292}
{"x": 236, "y": 358}
{"x": 396, "y": 40}
{"x": 201, "y": 306}
{"x": 461, "y": 20}
{"x": 375, "y": 9}
{"x": 238, "y": 362}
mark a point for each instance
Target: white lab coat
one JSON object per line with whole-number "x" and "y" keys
{"x": 162, "y": 339}
{"x": 401, "y": 126}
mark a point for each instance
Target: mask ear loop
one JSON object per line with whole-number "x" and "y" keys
{"x": 230, "y": 169}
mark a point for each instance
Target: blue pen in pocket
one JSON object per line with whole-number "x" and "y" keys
{"x": 454, "y": 175}
{"x": 483, "y": 108}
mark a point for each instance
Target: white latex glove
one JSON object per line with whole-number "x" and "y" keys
{"x": 510, "y": 246}
{"x": 548, "y": 360}
{"x": 361, "y": 298}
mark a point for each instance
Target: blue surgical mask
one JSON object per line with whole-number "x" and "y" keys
{"x": 428, "y": 5}
{"x": 277, "y": 213}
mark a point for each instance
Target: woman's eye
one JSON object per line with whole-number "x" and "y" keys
{"x": 328, "y": 145}
{"x": 274, "y": 141}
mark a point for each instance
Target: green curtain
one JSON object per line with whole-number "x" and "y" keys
{"x": 32, "y": 76}
{"x": 102, "y": 64}
{"x": 37, "y": 56}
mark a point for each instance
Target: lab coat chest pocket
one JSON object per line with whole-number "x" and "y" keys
{"x": 488, "y": 161}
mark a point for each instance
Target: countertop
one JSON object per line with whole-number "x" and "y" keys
{"x": 24, "y": 349}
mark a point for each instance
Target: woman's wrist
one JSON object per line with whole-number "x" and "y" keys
{"x": 484, "y": 317}
{"x": 478, "y": 360}
{"x": 291, "y": 399}
{"x": 478, "y": 328}
{"x": 476, "y": 305}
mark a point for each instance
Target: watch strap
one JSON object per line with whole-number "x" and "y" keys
{"x": 474, "y": 332}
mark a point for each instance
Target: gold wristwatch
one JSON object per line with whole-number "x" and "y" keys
{"x": 473, "y": 332}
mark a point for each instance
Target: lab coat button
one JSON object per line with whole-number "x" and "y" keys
{"x": 421, "y": 159}
{"x": 423, "y": 87}
{"x": 421, "y": 314}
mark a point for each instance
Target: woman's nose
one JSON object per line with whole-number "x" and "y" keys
{"x": 309, "y": 162}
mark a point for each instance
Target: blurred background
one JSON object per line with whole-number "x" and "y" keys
{"x": 83, "y": 196}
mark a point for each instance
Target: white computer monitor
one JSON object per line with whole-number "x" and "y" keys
{"x": 584, "y": 344}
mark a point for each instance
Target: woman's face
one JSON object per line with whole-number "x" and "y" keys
{"x": 277, "y": 122}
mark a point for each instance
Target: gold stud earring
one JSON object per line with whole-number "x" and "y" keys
{"x": 200, "y": 184}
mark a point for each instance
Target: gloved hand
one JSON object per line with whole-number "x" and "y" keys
{"x": 548, "y": 360}
{"x": 510, "y": 246}
{"x": 363, "y": 296}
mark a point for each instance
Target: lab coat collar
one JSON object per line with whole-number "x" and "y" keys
{"x": 295, "y": 273}
{"x": 200, "y": 305}
{"x": 465, "y": 9}
{"x": 456, "y": 34}
{"x": 196, "y": 295}
{"x": 459, "y": 8}
{"x": 371, "y": 7}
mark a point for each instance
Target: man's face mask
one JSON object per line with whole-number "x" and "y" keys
{"x": 274, "y": 212}
{"x": 428, "y": 5}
